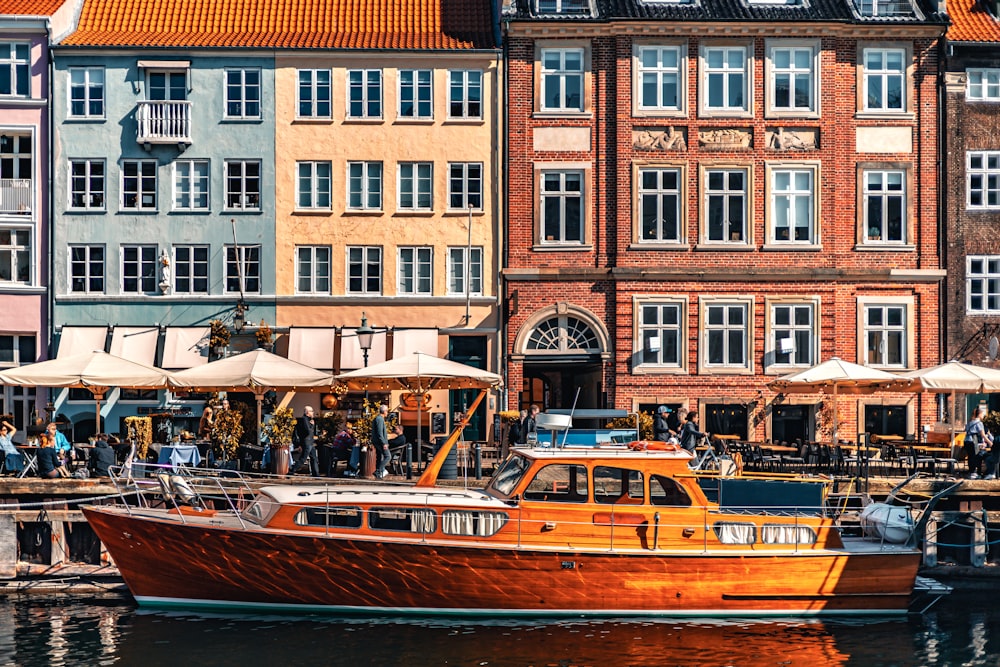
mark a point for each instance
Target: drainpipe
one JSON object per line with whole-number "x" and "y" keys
{"x": 50, "y": 213}
{"x": 503, "y": 159}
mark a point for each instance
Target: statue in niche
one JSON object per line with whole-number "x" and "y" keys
{"x": 798, "y": 140}
{"x": 164, "y": 273}
{"x": 662, "y": 140}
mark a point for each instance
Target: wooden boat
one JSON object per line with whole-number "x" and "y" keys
{"x": 607, "y": 531}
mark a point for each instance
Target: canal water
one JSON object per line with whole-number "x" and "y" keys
{"x": 963, "y": 630}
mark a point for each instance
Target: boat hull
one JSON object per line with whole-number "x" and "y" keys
{"x": 167, "y": 563}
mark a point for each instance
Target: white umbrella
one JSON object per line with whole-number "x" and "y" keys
{"x": 955, "y": 377}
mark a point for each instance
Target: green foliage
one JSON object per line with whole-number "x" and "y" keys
{"x": 328, "y": 425}
{"x": 140, "y": 429}
{"x": 992, "y": 422}
{"x": 280, "y": 428}
{"x": 219, "y": 336}
{"x": 363, "y": 424}
{"x": 645, "y": 424}
{"x": 510, "y": 416}
{"x": 226, "y": 432}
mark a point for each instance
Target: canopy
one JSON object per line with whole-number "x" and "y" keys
{"x": 258, "y": 371}
{"x": 419, "y": 373}
{"x": 955, "y": 377}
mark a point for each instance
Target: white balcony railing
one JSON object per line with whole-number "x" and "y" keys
{"x": 163, "y": 122}
{"x": 15, "y": 196}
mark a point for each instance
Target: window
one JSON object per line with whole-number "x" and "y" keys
{"x": 885, "y": 335}
{"x": 617, "y": 485}
{"x": 243, "y": 185}
{"x": 983, "y": 174}
{"x": 983, "y": 85}
{"x": 562, "y": 207}
{"x": 415, "y": 184}
{"x": 884, "y": 76}
{"x": 470, "y": 522}
{"x": 166, "y": 86}
{"x": 406, "y": 519}
{"x": 560, "y": 483}
{"x": 314, "y": 185}
{"x": 725, "y": 79}
{"x": 15, "y": 75}
{"x": 86, "y": 269}
{"x": 86, "y": 92}
{"x": 465, "y": 185}
{"x": 364, "y": 186}
{"x": 661, "y": 333}
{"x": 660, "y": 205}
{"x": 364, "y": 270}
{"x": 415, "y": 271}
{"x": 191, "y": 269}
{"x": 660, "y": 78}
{"x": 86, "y": 184}
{"x": 726, "y": 201}
{"x": 139, "y": 185}
{"x": 314, "y": 93}
{"x": 885, "y": 206}
{"x": 415, "y": 93}
{"x": 727, "y": 335}
{"x": 191, "y": 185}
{"x": 465, "y": 270}
{"x": 364, "y": 93}
{"x": 792, "y": 81}
{"x": 884, "y": 8}
{"x": 562, "y": 80}
{"x": 465, "y": 93}
{"x": 17, "y": 350}
{"x": 243, "y": 94}
{"x": 246, "y": 270}
{"x": 139, "y": 264}
{"x": 15, "y": 255}
{"x": 792, "y": 205}
{"x": 982, "y": 284}
{"x": 564, "y": 7}
{"x": 792, "y": 334}
{"x": 312, "y": 269}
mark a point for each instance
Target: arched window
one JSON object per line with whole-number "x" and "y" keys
{"x": 563, "y": 333}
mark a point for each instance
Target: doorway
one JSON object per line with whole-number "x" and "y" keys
{"x": 554, "y": 385}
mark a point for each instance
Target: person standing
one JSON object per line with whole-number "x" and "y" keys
{"x": 529, "y": 425}
{"x": 977, "y": 440}
{"x": 690, "y": 435}
{"x": 380, "y": 441}
{"x": 205, "y": 423}
{"x": 661, "y": 428}
{"x": 305, "y": 437}
{"x": 675, "y": 421}
{"x": 13, "y": 459}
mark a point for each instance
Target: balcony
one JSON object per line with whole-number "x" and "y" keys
{"x": 163, "y": 122}
{"x": 15, "y": 196}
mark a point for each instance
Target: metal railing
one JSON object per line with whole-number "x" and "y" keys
{"x": 163, "y": 122}
{"x": 15, "y": 196}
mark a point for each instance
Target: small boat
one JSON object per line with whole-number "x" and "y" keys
{"x": 608, "y": 531}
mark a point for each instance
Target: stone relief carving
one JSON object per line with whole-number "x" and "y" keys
{"x": 669, "y": 139}
{"x": 726, "y": 139}
{"x": 797, "y": 139}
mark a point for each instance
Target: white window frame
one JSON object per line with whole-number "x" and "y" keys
{"x": 982, "y": 179}
{"x": 241, "y": 88}
{"x": 250, "y": 260}
{"x": 465, "y": 186}
{"x": 414, "y": 181}
{"x": 365, "y": 262}
{"x": 657, "y": 73}
{"x": 318, "y": 105}
{"x": 462, "y": 104}
{"x": 982, "y": 283}
{"x": 146, "y": 265}
{"x": 247, "y": 197}
{"x": 420, "y": 261}
{"x": 89, "y": 264}
{"x": 723, "y": 74}
{"x": 192, "y": 185}
{"x": 882, "y": 76}
{"x": 146, "y": 198}
{"x": 192, "y": 265}
{"x": 888, "y": 178}
{"x": 19, "y": 66}
{"x": 94, "y": 197}
{"x": 779, "y": 357}
{"x": 573, "y": 7}
{"x": 726, "y": 193}
{"x": 168, "y": 88}
{"x": 794, "y": 72}
{"x": 366, "y": 91}
{"x": 710, "y": 308}
{"x": 658, "y": 194}
{"x": 91, "y": 91}
{"x": 563, "y": 195}
{"x": 648, "y": 337}
{"x": 308, "y": 260}
{"x": 364, "y": 186}
{"x": 561, "y": 73}
{"x": 457, "y": 273}
{"x": 880, "y": 333}
{"x": 15, "y": 249}
{"x": 784, "y": 203}
{"x": 313, "y": 185}
{"x": 417, "y": 92}
{"x": 982, "y": 84}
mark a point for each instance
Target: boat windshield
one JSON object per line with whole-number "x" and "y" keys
{"x": 509, "y": 476}
{"x": 259, "y": 510}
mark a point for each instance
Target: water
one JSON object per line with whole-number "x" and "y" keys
{"x": 963, "y": 630}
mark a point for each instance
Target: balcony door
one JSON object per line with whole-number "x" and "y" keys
{"x": 166, "y": 86}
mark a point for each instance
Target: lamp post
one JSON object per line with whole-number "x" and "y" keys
{"x": 365, "y": 334}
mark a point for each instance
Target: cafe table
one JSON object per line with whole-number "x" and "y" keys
{"x": 175, "y": 455}
{"x": 30, "y": 453}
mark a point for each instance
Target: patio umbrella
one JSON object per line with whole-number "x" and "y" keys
{"x": 259, "y": 371}
{"x": 420, "y": 373}
{"x": 96, "y": 371}
{"x": 838, "y": 377}
{"x": 955, "y": 377}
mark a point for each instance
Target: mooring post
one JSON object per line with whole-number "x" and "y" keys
{"x": 977, "y": 554}
{"x": 8, "y": 547}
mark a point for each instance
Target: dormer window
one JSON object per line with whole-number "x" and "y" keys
{"x": 574, "y": 7}
{"x": 884, "y": 8}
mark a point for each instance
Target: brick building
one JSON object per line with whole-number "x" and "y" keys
{"x": 705, "y": 195}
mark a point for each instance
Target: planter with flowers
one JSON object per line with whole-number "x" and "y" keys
{"x": 264, "y": 335}
{"x": 279, "y": 430}
{"x": 218, "y": 337}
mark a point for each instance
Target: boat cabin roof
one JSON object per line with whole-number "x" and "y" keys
{"x": 613, "y": 452}
{"x": 367, "y": 494}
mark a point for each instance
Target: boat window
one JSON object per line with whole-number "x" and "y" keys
{"x": 560, "y": 483}
{"x": 411, "y": 520}
{"x": 735, "y": 532}
{"x": 509, "y": 475}
{"x": 666, "y": 491}
{"x": 612, "y": 485}
{"x": 462, "y": 522}
{"x": 258, "y": 510}
{"x": 331, "y": 517}
{"x": 781, "y": 533}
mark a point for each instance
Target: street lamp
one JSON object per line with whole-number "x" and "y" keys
{"x": 239, "y": 319}
{"x": 365, "y": 334}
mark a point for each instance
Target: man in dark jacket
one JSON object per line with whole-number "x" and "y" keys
{"x": 529, "y": 425}
{"x": 661, "y": 430}
{"x": 305, "y": 438}
{"x": 101, "y": 458}
{"x": 690, "y": 435}
{"x": 380, "y": 441}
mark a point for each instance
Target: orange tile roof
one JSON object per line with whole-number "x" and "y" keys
{"x": 971, "y": 22}
{"x": 30, "y": 7}
{"x": 358, "y": 24}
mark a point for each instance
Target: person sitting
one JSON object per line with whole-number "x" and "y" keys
{"x": 343, "y": 444}
{"x": 64, "y": 450}
{"x": 102, "y": 458}
{"x": 13, "y": 459}
{"x": 49, "y": 465}
{"x": 397, "y": 438}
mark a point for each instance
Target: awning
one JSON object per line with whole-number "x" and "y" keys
{"x": 312, "y": 346}
{"x": 185, "y": 347}
{"x": 350, "y": 350}
{"x": 408, "y": 341}
{"x": 135, "y": 343}
{"x": 76, "y": 340}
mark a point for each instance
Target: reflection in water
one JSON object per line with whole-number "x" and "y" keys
{"x": 964, "y": 629}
